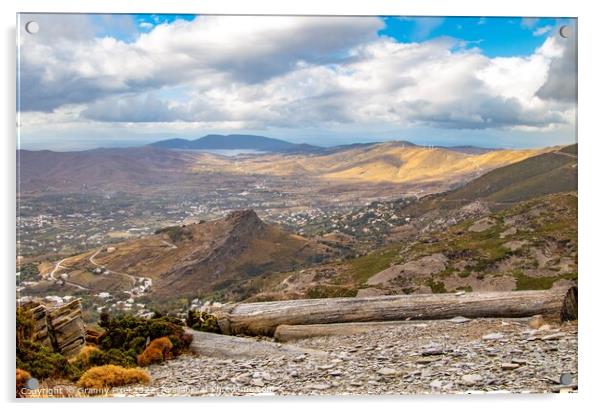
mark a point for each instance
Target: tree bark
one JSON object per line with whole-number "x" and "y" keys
{"x": 263, "y": 318}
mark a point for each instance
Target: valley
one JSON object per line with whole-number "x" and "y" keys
{"x": 256, "y": 227}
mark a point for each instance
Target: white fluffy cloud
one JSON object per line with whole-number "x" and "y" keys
{"x": 292, "y": 72}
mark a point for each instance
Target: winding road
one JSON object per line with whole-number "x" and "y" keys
{"x": 132, "y": 278}
{"x": 57, "y": 267}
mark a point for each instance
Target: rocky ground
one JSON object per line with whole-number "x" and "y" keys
{"x": 451, "y": 356}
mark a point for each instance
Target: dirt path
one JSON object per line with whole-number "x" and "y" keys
{"x": 132, "y": 278}
{"x": 59, "y": 266}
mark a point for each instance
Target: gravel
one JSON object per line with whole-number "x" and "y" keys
{"x": 443, "y": 357}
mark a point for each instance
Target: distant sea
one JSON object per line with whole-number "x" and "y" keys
{"x": 228, "y": 153}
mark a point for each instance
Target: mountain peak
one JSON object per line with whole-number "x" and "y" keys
{"x": 244, "y": 218}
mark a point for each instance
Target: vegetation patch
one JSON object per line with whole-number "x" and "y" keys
{"x": 108, "y": 376}
{"x": 21, "y": 379}
{"x": 124, "y": 341}
{"x": 366, "y": 266}
{"x": 202, "y": 321}
{"x": 437, "y": 287}
{"x": 157, "y": 351}
{"x": 326, "y": 291}
{"x": 525, "y": 282}
{"x": 175, "y": 233}
{"x": 28, "y": 272}
{"x": 130, "y": 334}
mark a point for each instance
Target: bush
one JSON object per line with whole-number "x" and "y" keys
{"x": 108, "y": 376}
{"x": 24, "y": 326}
{"x": 124, "y": 340}
{"x": 157, "y": 351}
{"x": 176, "y": 233}
{"x": 86, "y": 355}
{"x": 202, "y": 321}
{"x": 22, "y": 378}
{"x": 129, "y": 334}
{"x": 41, "y": 362}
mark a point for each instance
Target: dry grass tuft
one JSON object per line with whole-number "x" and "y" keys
{"x": 22, "y": 377}
{"x": 108, "y": 376}
{"x": 84, "y": 354}
{"x": 157, "y": 351}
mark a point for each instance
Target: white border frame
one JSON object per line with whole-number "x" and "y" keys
{"x": 590, "y": 136}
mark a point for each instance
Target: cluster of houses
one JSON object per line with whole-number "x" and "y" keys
{"x": 111, "y": 303}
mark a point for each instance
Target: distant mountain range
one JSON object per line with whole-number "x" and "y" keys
{"x": 237, "y": 142}
{"x": 274, "y": 145}
{"x": 154, "y": 166}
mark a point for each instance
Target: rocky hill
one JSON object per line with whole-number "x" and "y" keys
{"x": 531, "y": 245}
{"x": 198, "y": 259}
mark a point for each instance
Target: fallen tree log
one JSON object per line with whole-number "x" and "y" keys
{"x": 263, "y": 318}
{"x": 286, "y": 333}
{"x": 227, "y": 346}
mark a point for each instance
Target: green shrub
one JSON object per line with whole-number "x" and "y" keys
{"x": 124, "y": 340}
{"x": 24, "y": 326}
{"x": 29, "y": 272}
{"x": 41, "y": 362}
{"x": 202, "y": 321}
{"x": 129, "y": 334}
{"x": 176, "y": 233}
{"x": 437, "y": 287}
{"x": 328, "y": 291}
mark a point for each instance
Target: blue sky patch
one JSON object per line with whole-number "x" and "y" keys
{"x": 494, "y": 36}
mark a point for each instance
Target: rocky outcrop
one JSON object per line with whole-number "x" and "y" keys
{"x": 421, "y": 268}
{"x": 40, "y": 329}
{"x": 67, "y": 329}
{"x": 61, "y": 328}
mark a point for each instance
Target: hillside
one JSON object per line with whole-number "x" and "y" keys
{"x": 381, "y": 221}
{"x": 153, "y": 168}
{"x": 393, "y": 162}
{"x": 531, "y": 245}
{"x": 118, "y": 168}
{"x": 235, "y": 142}
{"x": 198, "y": 259}
{"x": 546, "y": 173}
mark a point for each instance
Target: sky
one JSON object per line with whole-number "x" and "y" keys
{"x": 88, "y": 81}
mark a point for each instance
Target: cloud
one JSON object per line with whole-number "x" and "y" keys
{"x": 529, "y": 22}
{"x": 292, "y": 72}
{"x": 203, "y": 51}
{"x": 561, "y": 81}
{"x": 131, "y": 109}
{"x": 542, "y": 30}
